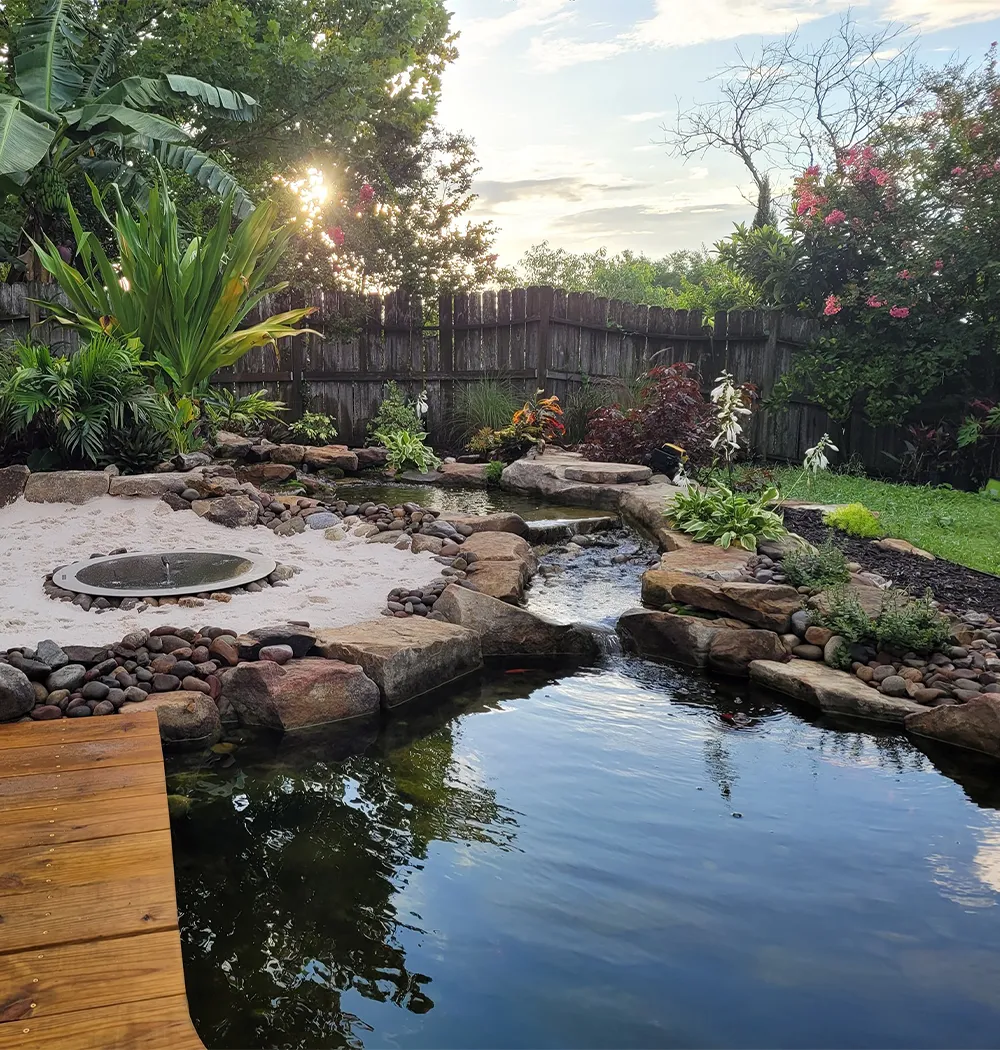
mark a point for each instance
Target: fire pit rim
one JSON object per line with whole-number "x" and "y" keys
{"x": 261, "y": 566}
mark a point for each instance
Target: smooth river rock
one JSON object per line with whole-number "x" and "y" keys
{"x": 404, "y": 657}
{"x": 17, "y": 695}
{"x": 300, "y": 693}
{"x": 506, "y": 630}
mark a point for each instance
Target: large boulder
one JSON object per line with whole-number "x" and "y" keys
{"x": 298, "y": 638}
{"x": 404, "y": 657}
{"x": 230, "y": 511}
{"x": 368, "y": 458}
{"x": 294, "y": 454}
{"x": 299, "y": 693}
{"x": 974, "y": 725}
{"x": 505, "y": 630}
{"x": 464, "y": 475}
{"x": 155, "y": 485}
{"x": 67, "y": 486}
{"x": 504, "y": 580}
{"x": 211, "y": 486}
{"x": 667, "y": 636}
{"x": 499, "y": 546}
{"x": 327, "y": 456}
{"x": 231, "y": 445}
{"x": 189, "y": 721}
{"x": 758, "y": 604}
{"x": 830, "y": 690}
{"x": 608, "y": 473}
{"x": 501, "y": 521}
{"x": 265, "y": 473}
{"x": 17, "y": 695}
{"x": 12, "y": 482}
{"x": 702, "y": 559}
{"x": 733, "y": 651}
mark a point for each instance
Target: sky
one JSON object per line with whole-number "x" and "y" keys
{"x": 566, "y": 100}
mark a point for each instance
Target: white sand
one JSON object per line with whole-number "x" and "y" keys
{"x": 341, "y": 583}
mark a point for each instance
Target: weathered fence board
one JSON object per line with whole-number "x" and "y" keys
{"x": 536, "y": 337}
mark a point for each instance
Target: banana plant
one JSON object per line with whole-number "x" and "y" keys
{"x": 58, "y": 113}
{"x": 184, "y": 303}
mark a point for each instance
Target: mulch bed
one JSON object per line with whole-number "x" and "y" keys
{"x": 955, "y": 586}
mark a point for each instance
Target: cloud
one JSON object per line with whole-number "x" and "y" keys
{"x": 517, "y": 16}
{"x": 680, "y": 23}
{"x": 942, "y": 14}
{"x": 565, "y": 188}
{"x": 642, "y": 118}
{"x": 697, "y": 174}
{"x": 667, "y": 228}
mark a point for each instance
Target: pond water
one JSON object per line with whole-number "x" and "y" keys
{"x": 622, "y": 856}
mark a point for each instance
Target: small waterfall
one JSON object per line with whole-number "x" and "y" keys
{"x": 607, "y": 640}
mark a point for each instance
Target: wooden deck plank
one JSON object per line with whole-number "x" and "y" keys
{"x": 76, "y": 785}
{"x": 82, "y": 754}
{"x": 152, "y": 1024}
{"x": 78, "y": 730}
{"x": 90, "y": 954}
{"x": 79, "y": 821}
{"x": 44, "y": 982}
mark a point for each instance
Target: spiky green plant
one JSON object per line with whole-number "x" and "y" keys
{"x": 184, "y": 304}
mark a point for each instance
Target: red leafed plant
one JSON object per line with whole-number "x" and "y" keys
{"x": 672, "y": 410}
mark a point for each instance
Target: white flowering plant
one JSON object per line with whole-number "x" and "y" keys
{"x": 816, "y": 459}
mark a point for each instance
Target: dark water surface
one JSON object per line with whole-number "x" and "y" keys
{"x": 624, "y": 857}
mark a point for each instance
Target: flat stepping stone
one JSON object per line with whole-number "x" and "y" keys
{"x": 607, "y": 473}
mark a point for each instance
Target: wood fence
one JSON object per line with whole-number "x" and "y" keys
{"x": 538, "y": 338}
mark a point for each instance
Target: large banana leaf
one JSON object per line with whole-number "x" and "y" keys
{"x": 117, "y": 118}
{"x": 45, "y": 66}
{"x": 150, "y": 92}
{"x": 24, "y": 142}
{"x": 205, "y": 171}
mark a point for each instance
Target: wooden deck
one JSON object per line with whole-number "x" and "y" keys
{"x": 90, "y": 954}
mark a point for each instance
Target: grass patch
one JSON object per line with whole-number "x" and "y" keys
{"x": 963, "y": 527}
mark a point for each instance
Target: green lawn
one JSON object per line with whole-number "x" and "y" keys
{"x": 961, "y": 526}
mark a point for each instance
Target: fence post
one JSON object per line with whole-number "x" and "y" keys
{"x": 546, "y": 296}
{"x": 296, "y": 402}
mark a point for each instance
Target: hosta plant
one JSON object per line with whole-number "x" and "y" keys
{"x": 718, "y": 515}
{"x": 406, "y": 450}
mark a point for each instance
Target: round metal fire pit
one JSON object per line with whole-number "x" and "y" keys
{"x": 163, "y": 574}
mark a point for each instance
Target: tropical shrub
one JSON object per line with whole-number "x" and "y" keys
{"x": 73, "y": 404}
{"x": 185, "y": 305}
{"x": 138, "y": 448}
{"x": 671, "y": 411}
{"x": 396, "y": 412}
{"x": 582, "y": 401}
{"x": 62, "y": 114}
{"x": 487, "y": 403}
{"x": 540, "y": 418}
{"x": 224, "y": 410}
{"x": 856, "y": 520}
{"x": 494, "y": 472}
{"x": 816, "y": 567}
{"x": 538, "y": 421}
{"x": 407, "y": 451}
{"x": 314, "y": 428}
{"x": 718, "y": 515}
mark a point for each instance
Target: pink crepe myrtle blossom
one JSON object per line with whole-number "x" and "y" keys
{"x": 813, "y": 169}
{"x": 958, "y": 170}
{"x": 899, "y": 311}
{"x": 939, "y": 264}
{"x": 875, "y": 302}
{"x": 336, "y": 234}
{"x": 904, "y": 275}
{"x": 832, "y": 305}
{"x": 836, "y": 216}
{"x": 976, "y": 130}
{"x": 367, "y": 194}
{"x": 878, "y": 176}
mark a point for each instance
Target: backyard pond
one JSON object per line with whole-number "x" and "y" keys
{"x": 628, "y": 855}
